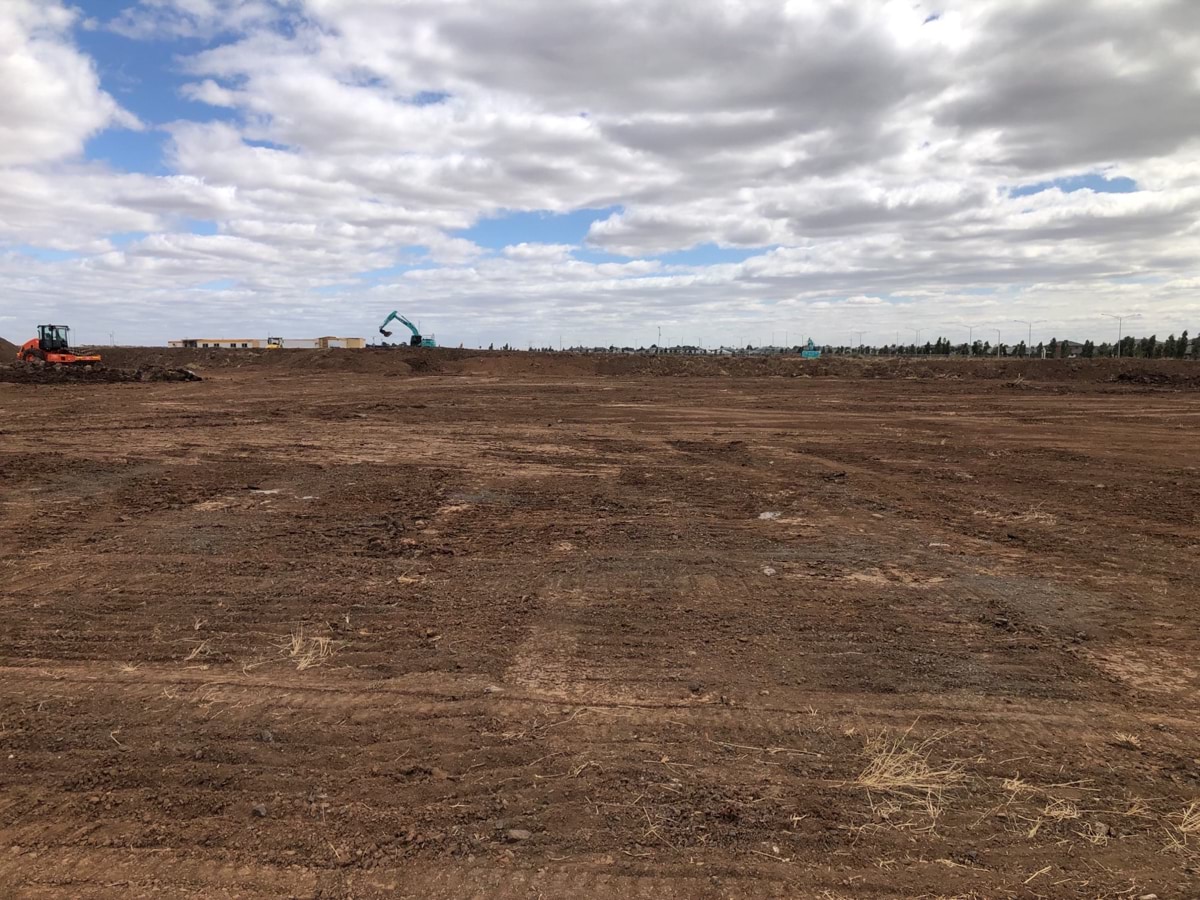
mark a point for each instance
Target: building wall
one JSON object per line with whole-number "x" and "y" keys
{"x": 221, "y": 343}
{"x": 321, "y": 343}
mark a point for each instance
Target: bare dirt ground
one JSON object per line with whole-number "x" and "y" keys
{"x": 338, "y": 634}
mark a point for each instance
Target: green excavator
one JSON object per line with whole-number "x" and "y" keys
{"x": 416, "y": 340}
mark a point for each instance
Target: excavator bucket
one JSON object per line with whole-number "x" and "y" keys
{"x": 385, "y": 333}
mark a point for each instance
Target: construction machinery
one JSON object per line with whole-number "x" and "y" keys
{"x": 274, "y": 343}
{"x": 416, "y": 340}
{"x": 53, "y": 346}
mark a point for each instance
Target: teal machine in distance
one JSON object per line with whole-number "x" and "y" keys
{"x": 810, "y": 350}
{"x": 416, "y": 340}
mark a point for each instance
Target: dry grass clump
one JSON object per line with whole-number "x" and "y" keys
{"x": 904, "y": 771}
{"x": 1183, "y": 830}
{"x": 1029, "y": 517}
{"x": 1060, "y": 810}
{"x": 307, "y": 651}
{"x": 1127, "y": 740}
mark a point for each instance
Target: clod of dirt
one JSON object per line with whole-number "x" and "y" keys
{"x": 517, "y": 834}
{"x": 260, "y": 811}
{"x": 266, "y": 737}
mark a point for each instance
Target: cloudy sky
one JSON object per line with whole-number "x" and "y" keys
{"x": 725, "y": 170}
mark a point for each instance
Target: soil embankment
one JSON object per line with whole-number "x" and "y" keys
{"x": 497, "y": 363}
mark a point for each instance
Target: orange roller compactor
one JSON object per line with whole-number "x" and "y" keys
{"x": 53, "y": 347}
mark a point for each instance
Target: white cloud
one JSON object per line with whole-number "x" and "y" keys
{"x": 193, "y": 18}
{"x": 51, "y": 101}
{"x": 864, "y": 151}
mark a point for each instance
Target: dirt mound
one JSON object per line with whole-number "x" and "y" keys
{"x": 400, "y": 361}
{"x": 1155, "y": 376}
{"x": 25, "y": 373}
{"x": 8, "y": 350}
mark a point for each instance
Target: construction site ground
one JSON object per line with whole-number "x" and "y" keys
{"x": 305, "y": 632}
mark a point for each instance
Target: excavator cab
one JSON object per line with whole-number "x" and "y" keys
{"x": 54, "y": 338}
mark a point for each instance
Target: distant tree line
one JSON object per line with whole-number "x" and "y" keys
{"x": 1181, "y": 347}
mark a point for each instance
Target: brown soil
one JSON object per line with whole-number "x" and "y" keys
{"x": 340, "y": 634}
{"x": 38, "y": 373}
{"x": 1183, "y": 374}
{"x": 8, "y": 350}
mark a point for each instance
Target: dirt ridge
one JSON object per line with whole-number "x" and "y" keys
{"x": 1183, "y": 374}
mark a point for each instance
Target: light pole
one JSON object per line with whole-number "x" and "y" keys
{"x": 917, "y": 342}
{"x": 1029, "y": 342}
{"x": 970, "y": 336}
{"x": 1121, "y": 326}
{"x": 997, "y": 343}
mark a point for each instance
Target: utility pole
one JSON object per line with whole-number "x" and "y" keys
{"x": 1121, "y": 326}
{"x": 1029, "y": 342}
{"x": 997, "y": 343}
{"x": 659, "y": 344}
{"x": 917, "y": 342}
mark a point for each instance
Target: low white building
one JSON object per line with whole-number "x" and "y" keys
{"x": 329, "y": 342}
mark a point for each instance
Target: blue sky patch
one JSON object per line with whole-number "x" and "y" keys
{"x": 709, "y": 255}
{"x": 597, "y": 257}
{"x": 125, "y": 238}
{"x": 200, "y": 226}
{"x": 1092, "y": 181}
{"x": 129, "y": 151}
{"x": 430, "y": 98}
{"x": 535, "y": 227}
{"x": 265, "y": 145}
{"x": 146, "y": 78}
{"x": 385, "y": 273}
{"x": 45, "y": 254}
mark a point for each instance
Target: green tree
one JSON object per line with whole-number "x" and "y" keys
{"x": 1181, "y": 347}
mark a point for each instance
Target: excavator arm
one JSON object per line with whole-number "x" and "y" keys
{"x": 394, "y": 316}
